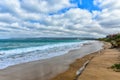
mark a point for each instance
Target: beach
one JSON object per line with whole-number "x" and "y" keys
{"x": 59, "y": 40}
{"x": 98, "y": 68}
{"x": 48, "y": 68}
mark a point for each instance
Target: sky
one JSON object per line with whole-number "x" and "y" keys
{"x": 59, "y": 18}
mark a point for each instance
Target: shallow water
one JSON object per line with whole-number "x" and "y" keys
{"x": 16, "y": 51}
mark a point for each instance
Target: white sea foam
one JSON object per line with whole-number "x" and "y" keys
{"x": 22, "y": 55}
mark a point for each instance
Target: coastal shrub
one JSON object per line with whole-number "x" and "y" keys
{"x": 113, "y": 39}
{"x": 116, "y": 67}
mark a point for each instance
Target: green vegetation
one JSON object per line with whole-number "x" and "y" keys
{"x": 114, "y": 39}
{"x": 116, "y": 67}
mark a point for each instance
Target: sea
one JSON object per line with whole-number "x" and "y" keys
{"x": 16, "y": 51}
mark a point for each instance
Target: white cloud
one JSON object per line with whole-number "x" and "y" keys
{"x": 109, "y": 17}
{"x": 45, "y": 6}
{"x": 30, "y": 18}
{"x": 8, "y": 18}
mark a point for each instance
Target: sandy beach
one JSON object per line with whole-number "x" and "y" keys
{"x": 65, "y": 67}
{"x": 97, "y": 69}
{"x": 59, "y": 40}
{"x": 49, "y": 68}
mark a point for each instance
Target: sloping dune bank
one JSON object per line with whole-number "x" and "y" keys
{"x": 97, "y": 69}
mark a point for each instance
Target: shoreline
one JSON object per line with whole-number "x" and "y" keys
{"x": 98, "y": 67}
{"x": 70, "y": 74}
{"x": 16, "y": 59}
{"x": 47, "y": 69}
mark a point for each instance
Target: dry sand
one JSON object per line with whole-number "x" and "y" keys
{"x": 99, "y": 67}
{"x": 46, "y": 69}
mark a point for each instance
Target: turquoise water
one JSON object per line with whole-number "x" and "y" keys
{"x": 16, "y": 51}
{"x": 8, "y": 44}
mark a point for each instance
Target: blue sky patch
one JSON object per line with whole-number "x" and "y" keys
{"x": 87, "y": 4}
{"x": 82, "y": 4}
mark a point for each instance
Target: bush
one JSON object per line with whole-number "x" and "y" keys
{"x": 116, "y": 67}
{"x": 113, "y": 39}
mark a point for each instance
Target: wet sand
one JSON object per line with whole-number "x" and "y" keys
{"x": 49, "y": 68}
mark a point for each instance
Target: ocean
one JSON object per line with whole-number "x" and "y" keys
{"x": 16, "y": 51}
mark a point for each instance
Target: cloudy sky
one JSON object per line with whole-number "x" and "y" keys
{"x": 59, "y": 18}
